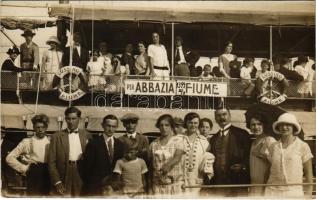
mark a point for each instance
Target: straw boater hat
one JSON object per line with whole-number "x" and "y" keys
{"x": 289, "y": 119}
{"x": 28, "y": 32}
{"x": 52, "y": 39}
{"x": 12, "y": 50}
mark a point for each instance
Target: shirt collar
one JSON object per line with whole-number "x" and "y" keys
{"x": 180, "y": 47}
{"x": 225, "y": 129}
{"x": 74, "y": 131}
{"x": 107, "y": 138}
{"x": 133, "y": 135}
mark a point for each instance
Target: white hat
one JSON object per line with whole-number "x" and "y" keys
{"x": 289, "y": 119}
{"x": 53, "y": 39}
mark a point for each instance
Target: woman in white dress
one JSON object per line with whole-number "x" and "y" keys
{"x": 51, "y": 60}
{"x": 197, "y": 162}
{"x": 290, "y": 159}
{"x": 225, "y": 59}
{"x": 161, "y": 151}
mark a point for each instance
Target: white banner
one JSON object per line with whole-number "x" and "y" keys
{"x": 171, "y": 88}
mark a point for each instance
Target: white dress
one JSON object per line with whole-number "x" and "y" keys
{"x": 95, "y": 73}
{"x": 171, "y": 183}
{"x": 287, "y": 167}
{"x": 197, "y": 162}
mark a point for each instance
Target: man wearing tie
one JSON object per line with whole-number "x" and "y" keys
{"x": 132, "y": 138}
{"x": 231, "y": 147}
{"x": 100, "y": 157}
{"x": 65, "y": 155}
{"x": 185, "y": 59}
{"x": 80, "y": 55}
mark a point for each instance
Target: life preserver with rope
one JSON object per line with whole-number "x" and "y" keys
{"x": 265, "y": 85}
{"x": 70, "y": 87}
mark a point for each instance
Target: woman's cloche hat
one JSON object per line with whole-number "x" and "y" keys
{"x": 289, "y": 119}
{"x": 52, "y": 39}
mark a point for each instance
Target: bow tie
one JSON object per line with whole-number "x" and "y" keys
{"x": 131, "y": 136}
{"x": 75, "y": 132}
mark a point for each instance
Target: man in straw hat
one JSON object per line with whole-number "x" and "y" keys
{"x": 8, "y": 64}
{"x": 51, "y": 60}
{"x": 29, "y": 52}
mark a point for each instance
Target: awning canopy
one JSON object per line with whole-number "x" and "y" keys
{"x": 243, "y": 12}
{"x": 14, "y": 23}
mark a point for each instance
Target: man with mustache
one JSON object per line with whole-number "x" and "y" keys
{"x": 231, "y": 147}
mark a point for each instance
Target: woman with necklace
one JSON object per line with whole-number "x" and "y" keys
{"x": 259, "y": 165}
{"x": 198, "y": 163}
{"x": 290, "y": 158}
{"x": 161, "y": 151}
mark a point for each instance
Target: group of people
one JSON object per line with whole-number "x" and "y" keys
{"x": 179, "y": 162}
{"x": 152, "y": 61}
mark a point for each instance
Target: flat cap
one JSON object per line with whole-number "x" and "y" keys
{"x": 178, "y": 121}
{"x": 129, "y": 116}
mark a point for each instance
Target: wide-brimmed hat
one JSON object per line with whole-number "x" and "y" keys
{"x": 129, "y": 116}
{"x": 28, "y": 32}
{"x": 52, "y": 39}
{"x": 289, "y": 119}
{"x": 12, "y": 50}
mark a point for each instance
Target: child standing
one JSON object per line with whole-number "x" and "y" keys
{"x": 290, "y": 158}
{"x": 205, "y": 127}
{"x": 245, "y": 75}
{"x": 96, "y": 71}
{"x": 206, "y": 75}
{"x": 132, "y": 171}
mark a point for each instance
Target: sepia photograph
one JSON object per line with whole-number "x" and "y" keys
{"x": 158, "y": 99}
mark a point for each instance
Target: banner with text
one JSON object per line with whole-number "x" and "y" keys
{"x": 176, "y": 87}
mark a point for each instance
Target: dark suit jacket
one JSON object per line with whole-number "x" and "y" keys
{"x": 59, "y": 154}
{"x": 97, "y": 164}
{"x": 190, "y": 56}
{"x": 79, "y": 61}
{"x": 238, "y": 151}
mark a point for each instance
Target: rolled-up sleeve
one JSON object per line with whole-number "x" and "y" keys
{"x": 23, "y": 147}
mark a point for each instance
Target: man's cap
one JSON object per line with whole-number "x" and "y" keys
{"x": 178, "y": 121}
{"x": 129, "y": 116}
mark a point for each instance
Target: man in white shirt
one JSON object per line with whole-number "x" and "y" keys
{"x": 185, "y": 60}
{"x": 34, "y": 152}
{"x": 65, "y": 154}
{"x": 158, "y": 59}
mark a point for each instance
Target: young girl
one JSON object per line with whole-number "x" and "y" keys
{"x": 290, "y": 158}
{"x": 205, "y": 127}
{"x": 96, "y": 71}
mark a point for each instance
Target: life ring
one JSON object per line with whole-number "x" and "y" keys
{"x": 267, "y": 93}
{"x": 76, "y": 82}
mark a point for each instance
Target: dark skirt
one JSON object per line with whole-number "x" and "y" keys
{"x": 38, "y": 181}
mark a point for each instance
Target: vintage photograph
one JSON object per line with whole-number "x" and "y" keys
{"x": 158, "y": 99}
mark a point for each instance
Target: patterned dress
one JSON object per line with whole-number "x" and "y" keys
{"x": 171, "y": 183}
{"x": 197, "y": 162}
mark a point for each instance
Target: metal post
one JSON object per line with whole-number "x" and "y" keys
{"x": 272, "y": 67}
{"x": 71, "y": 49}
